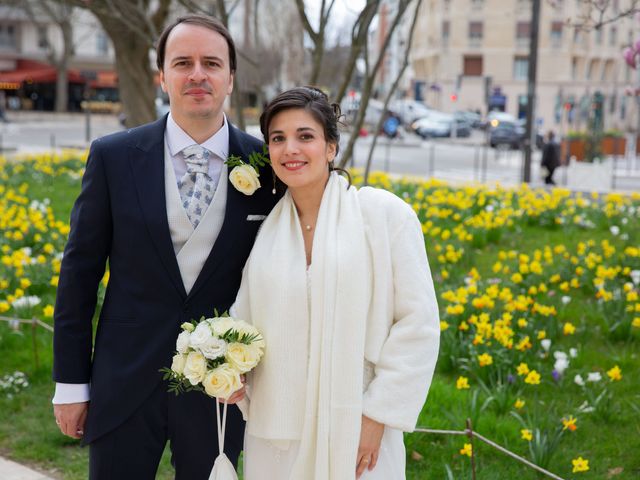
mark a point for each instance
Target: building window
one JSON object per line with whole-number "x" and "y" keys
{"x": 598, "y": 34}
{"x": 523, "y": 33}
{"x": 477, "y": 4}
{"x": 43, "y": 39}
{"x": 520, "y": 68}
{"x": 445, "y": 32}
{"x": 7, "y": 36}
{"x": 590, "y": 69}
{"x": 556, "y": 33}
{"x": 472, "y": 66}
{"x": 102, "y": 44}
{"x": 574, "y": 69}
{"x": 475, "y": 33}
{"x": 613, "y": 36}
{"x": 577, "y": 35}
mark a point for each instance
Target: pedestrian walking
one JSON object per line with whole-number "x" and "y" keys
{"x": 550, "y": 157}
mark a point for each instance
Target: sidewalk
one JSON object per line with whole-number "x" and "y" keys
{"x": 14, "y": 471}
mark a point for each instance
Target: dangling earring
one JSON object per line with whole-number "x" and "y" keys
{"x": 273, "y": 174}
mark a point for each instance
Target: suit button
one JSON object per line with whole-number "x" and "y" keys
{"x": 185, "y": 308}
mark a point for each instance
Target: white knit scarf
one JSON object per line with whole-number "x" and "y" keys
{"x": 318, "y": 402}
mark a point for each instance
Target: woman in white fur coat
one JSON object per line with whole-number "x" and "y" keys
{"x": 339, "y": 284}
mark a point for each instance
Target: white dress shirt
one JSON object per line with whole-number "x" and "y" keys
{"x": 176, "y": 139}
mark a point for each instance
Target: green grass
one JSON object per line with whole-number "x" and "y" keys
{"x": 28, "y": 433}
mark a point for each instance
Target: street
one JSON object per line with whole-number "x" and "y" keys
{"x": 453, "y": 160}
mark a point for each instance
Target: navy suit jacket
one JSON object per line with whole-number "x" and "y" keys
{"x": 120, "y": 217}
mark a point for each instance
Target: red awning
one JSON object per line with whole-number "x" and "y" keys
{"x": 108, "y": 79}
{"x": 36, "y": 72}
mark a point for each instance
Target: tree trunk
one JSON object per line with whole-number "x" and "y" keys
{"x": 135, "y": 77}
{"x": 62, "y": 88}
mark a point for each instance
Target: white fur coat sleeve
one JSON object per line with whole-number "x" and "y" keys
{"x": 403, "y": 333}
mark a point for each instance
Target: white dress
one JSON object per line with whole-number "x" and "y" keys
{"x": 274, "y": 459}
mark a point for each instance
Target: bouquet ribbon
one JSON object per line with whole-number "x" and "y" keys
{"x": 222, "y": 468}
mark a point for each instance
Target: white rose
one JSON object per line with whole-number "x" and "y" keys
{"x": 222, "y": 325}
{"x": 195, "y": 368}
{"x": 222, "y": 381}
{"x": 214, "y": 348}
{"x": 245, "y": 179}
{"x": 243, "y": 357}
{"x": 182, "y": 343}
{"x": 200, "y": 336}
{"x": 187, "y": 327}
{"x": 247, "y": 329}
{"x": 178, "y": 363}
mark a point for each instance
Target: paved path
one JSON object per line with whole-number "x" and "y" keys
{"x": 14, "y": 471}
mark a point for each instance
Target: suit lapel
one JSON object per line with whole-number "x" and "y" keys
{"x": 147, "y": 163}
{"x": 232, "y": 224}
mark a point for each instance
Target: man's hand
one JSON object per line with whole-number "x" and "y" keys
{"x": 70, "y": 418}
{"x": 370, "y": 438}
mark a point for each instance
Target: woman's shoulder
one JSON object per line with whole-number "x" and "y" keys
{"x": 379, "y": 203}
{"x": 377, "y": 198}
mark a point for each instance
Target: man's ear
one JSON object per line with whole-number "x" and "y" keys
{"x": 163, "y": 85}
{"x": 232, "y": 78}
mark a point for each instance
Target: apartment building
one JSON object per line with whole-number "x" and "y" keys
{"x": 474, "y": 54}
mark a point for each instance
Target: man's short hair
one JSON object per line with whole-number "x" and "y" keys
{"x": 205, "y": 21}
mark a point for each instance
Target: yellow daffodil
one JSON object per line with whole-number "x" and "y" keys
{"x": 519, "y": 404}
{"x": 466, "y": 450}
{"x": 569, "y": 423}
{"x": 462, "y": 383}
{"x": 533, "y": 378}
{"x": 485, "y": 359}
{"x": 580, "y": 465}
{"x": 615, "y": 374}
{"x": 526, "y": 434}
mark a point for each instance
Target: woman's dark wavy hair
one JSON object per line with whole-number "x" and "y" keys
{"x": 315, "y": 102}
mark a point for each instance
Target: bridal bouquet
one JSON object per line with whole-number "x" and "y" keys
{"x": 211, "y": 356}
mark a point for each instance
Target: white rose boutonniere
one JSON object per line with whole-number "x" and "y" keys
{"x": 244, "y": 175}
{"x": 245, "y": 179}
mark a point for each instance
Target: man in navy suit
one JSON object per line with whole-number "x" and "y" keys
{"x": 165, "y": 268}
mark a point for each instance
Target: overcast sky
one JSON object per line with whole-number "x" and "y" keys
{"x": 343, "y": 14}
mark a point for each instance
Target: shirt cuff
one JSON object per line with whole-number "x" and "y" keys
{"x": 71, "y": 393}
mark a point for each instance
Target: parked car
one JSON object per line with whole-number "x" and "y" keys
{"x": 495, "y": 117}
{"x": 505, "y": 134}
{"x": 441, "y": 125}
{"x": 472, "y": 118}
{"x": 409, "y": 110}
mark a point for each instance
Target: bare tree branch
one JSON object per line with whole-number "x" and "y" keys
{"x": 318, "y": 37}
{"x": 392, "y": 90}
{"x": 598, "y": 13}
{"x": 369, "y": 81}
{"x": 358, "y": 40}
